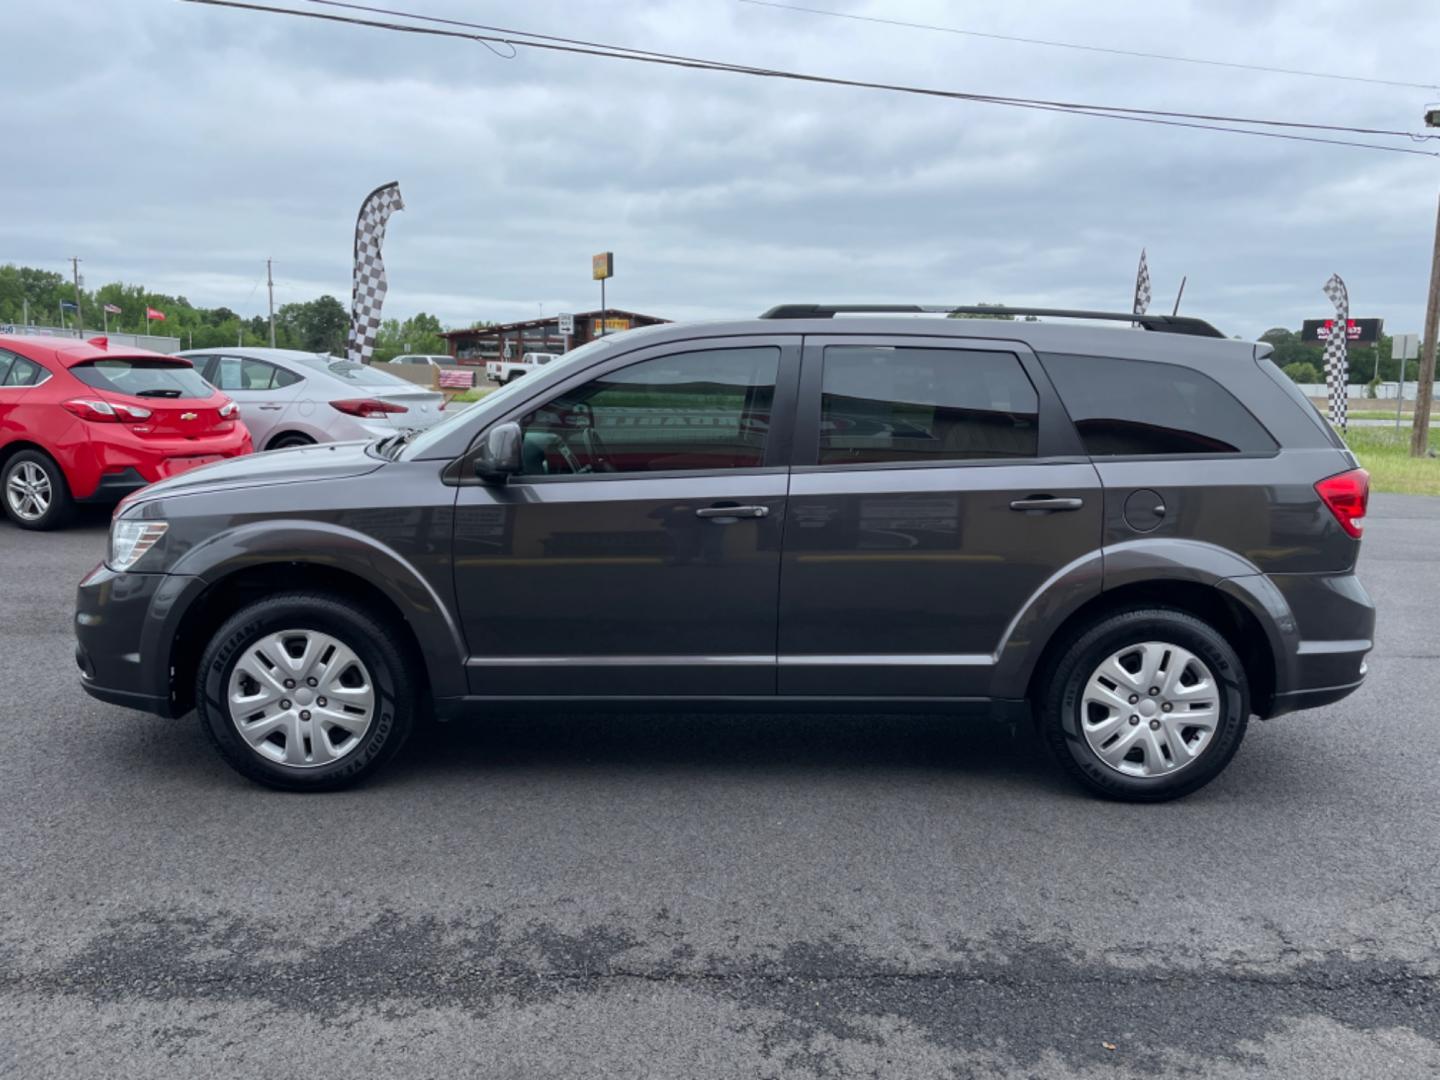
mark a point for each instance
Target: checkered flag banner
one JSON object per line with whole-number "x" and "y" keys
{"x": 1335, "y": 346}
{"x": 1142, "y": 286}
{"x": 367, "y": 295}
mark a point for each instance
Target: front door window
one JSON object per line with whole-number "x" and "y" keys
{"x": 691, "y": 411}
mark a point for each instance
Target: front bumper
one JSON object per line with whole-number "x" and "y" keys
{"x": 123, "y": 635}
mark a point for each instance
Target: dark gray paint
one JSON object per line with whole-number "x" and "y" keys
{"x": 912, "y": 584}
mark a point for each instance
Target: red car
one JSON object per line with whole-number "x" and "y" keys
{"x": 81, "y": 421}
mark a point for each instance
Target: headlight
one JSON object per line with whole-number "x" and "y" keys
{"x": 131, "y": 539}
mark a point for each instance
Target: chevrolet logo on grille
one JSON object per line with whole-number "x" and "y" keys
{"x": 189, "y": 416}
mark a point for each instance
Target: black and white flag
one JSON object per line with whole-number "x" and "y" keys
{"x": 367, "y": 295}
{"x": 1335, "y": 350}
{"x": 1142, "y": 286}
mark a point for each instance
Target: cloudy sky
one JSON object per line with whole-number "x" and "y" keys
{"x": 179, "y": 146}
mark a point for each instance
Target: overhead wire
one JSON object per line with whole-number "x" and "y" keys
{"x": 1111, "y": 50}
{"x": 553, "y": 43}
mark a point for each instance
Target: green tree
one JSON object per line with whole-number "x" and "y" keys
{"x": 1302, "y": 371}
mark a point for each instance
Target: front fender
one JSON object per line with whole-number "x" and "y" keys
{"x": 334, "y": 547}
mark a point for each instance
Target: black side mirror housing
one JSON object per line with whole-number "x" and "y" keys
{"x": 499, "y": 457}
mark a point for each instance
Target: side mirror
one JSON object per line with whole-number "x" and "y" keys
{"x": 499, "y": 456}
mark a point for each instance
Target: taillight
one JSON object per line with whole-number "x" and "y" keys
{"x": 1347, "y": 494}
{"x": 367, "y": 408}
{"x": 228, "y": 410}
{"x": 100, "y": 411}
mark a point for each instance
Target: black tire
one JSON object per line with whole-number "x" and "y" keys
{"x": 289, "y": 441}
{"x": 390, "y": 672}
{"x": 61, "y": 505}
{"x": 1062, "y": 687}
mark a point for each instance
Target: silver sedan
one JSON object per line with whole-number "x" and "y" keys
{"x": 291, "y": 398}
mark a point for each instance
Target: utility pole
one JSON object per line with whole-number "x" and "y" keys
{"x": 270, "y": 285}
{"x": 1425, "y": 388}
{"x": 79, "y": 314}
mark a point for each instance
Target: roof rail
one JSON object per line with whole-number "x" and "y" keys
{"x": 1165, "y": 324}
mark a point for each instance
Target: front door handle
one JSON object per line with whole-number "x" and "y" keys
{"x": 1046, "y": 503}
{"x": 272, "y": 407}
{"x": 733, "y": 512}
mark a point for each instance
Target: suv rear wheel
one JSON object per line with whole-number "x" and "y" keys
{"x": 305, "y": 692}
{"x": 1146, "y": 705}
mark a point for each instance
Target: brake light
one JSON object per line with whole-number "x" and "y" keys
{"x": 228, "y": 410}
{"x": 367, "y": 408}
{"x": 1347, "y": 495}
{"x": 100, "y": 411}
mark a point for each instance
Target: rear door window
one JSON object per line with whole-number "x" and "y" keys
{"x": 1141, "y": 407}
{"x": 18, "y": 371}
{"x": 883, "y": 403}
{"x": 245, "y": 373}
{"x": 141, "y": 376}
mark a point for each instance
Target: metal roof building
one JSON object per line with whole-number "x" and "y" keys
{"x": 510, "y": 340}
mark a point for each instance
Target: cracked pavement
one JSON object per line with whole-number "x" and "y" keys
{"x": 727, "y": 896}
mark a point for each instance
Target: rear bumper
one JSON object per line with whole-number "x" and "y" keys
{"x": 1335, "y": 620}
{"x": 117, "y": 462}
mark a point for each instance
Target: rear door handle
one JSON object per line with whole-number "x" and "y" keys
{"x": 733, "y": 512}
{"x": 1046, "y": 503}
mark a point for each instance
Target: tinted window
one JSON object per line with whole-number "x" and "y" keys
{"x": 697, "y": 410}
{"x": 17, "y": 371}
{"x": 24, "y": 372}
{"x": 244, "y": 373}
{"x": 1141, "y": 407}
{"x": 883, "y": 403}
{"x": 144, "y": 377}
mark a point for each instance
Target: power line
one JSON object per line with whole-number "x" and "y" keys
{"x": 512, "y": 40}
{"x": 772, "y": 72}
{"x": 1137, "y": 53}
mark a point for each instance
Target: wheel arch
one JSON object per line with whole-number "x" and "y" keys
{"x": 288, "y": 433}
{"x": 1226, "y": 607}
{"x": 224, "y": 574}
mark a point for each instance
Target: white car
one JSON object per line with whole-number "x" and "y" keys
{"x": 290, "y": 398}
{"x": 504, "y": 371}
{"x": 422, "y": 358}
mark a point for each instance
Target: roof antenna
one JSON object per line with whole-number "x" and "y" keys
{"x": 1180, "y": 294}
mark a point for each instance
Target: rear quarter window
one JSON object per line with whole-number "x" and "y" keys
{"x": 1143, "y": 407}
{"x": 143, "y": 377}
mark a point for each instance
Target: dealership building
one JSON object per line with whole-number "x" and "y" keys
{"x": 511, "y": 340}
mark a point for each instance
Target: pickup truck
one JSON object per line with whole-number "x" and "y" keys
{"x": 504, "y": 371}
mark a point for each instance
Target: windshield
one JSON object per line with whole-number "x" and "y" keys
{"x": 436, "y": 434}
{"x": 363, "y": 374}
{"x": 143, "y": 377}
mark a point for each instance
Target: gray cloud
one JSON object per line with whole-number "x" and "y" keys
{"x": 180, "y": 146}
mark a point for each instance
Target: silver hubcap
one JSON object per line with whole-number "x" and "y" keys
{"x": 1150, "y": 709}
{"x": 28, "y": 491}
{"x": 301, "y": 698}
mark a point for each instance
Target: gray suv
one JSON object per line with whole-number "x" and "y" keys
{"x": 1140, "y": 537}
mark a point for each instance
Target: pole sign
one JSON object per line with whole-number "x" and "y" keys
{"x": 1405, "y": 346}
{"x": 602, "y": 266}
{"x": 567, "y": 323}
{"x": 1357, "y": 331}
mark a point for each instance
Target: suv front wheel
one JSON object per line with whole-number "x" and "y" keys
{"x": 1146, "y": 705}
{"x": 305, "y": 692}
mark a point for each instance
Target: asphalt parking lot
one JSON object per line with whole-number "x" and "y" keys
{"x": 682, "y": 896}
